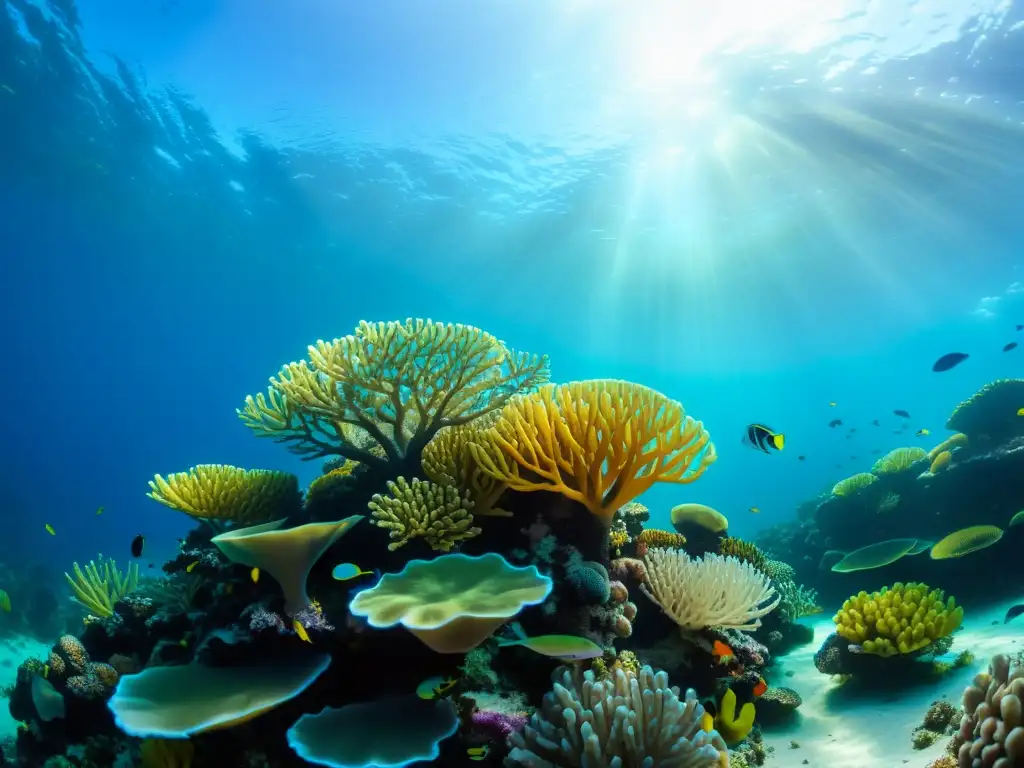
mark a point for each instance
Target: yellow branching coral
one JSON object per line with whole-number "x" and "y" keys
{"x": 393, "y": 385}
{"x": 435, "y": 512}
{"x": 601, "y": 443}
{"x": 99, "y": 587}
{"x": 991, "y": 411}
{"x": 898, "y": 460}
{"x": 742, "y": 550}
{"x": 229, "y": 494}
{"x": 851, "y": 485}
{"x": 447, "y": 460}
{"x": 900, "y": 619}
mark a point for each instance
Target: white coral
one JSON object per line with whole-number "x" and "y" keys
{"x": 712, "y": 591}
{"x": 634, "y": 720}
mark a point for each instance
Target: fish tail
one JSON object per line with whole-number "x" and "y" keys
{"x": 779, "y": 441}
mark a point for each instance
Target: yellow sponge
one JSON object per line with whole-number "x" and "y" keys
{"x": 899, "y": 619}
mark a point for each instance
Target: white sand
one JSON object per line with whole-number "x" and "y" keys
{"x": 852, "y": 726}
{"x": 13, "y": 651}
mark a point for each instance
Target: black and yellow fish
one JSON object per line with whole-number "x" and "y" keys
{"x": 762, "y": 438}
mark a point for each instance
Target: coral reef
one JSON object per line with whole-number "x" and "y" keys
{"x": 228, "y": 494}
{"x": 437, "y": 513}
{"x": 992, "y": 728}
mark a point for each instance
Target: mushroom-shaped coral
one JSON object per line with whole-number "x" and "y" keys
{"x": 900, "y": 619}
{"x": 601, "y": 443}
{"x": 452, "y": 603}
{"x": 631, "y": 719}
{"x": 178, "y": 701}
{"x": 899, "y": 460}
{"x": 712, "y": 591}
{"x": 365, "y": 734}
{"x": 390, "y": 386}
{"x": 992, "y": 728}
{"x": 950, "y": 444}
{"x": 854, "y": 483}
{"x": 989, "y": 412}
{"x": 229, "y": 494}
{"x": 287, "y": 555}
{"x": 699, "y": 515}
{"x": 437, "y": 513}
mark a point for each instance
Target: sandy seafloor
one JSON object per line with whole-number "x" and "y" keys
{"x": 853, "y": 726}
{"x": 13, "y": 651}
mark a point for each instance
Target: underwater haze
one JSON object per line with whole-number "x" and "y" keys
{"x": 780, "y": 216}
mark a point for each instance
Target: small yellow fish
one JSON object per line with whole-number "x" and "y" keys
{"x": 832, "y": 404}
{"x": 99, "y": 511}
{"x": 254, "y": 574}
{"x": 49, "y": 530}
{"x": 191, "y": 566}
{"x": 300, "y": 631}
{"x": 1020, "y": 411}
{"x": 755, "y": 510}
{"x": 923, "y": 432}
{"x": 46, "y": 670}
{"x": 478, "y": 753}
{"x": 435, "y": 687}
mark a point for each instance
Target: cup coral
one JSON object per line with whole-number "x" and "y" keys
{"x": 632, "y": 719}
{"x": 601, "y": 443}
{"x": 712, "y": 591}
{"x": 287, "y": 554}
{"x": 900, "y": 619}
{"x": 453, "y": 603}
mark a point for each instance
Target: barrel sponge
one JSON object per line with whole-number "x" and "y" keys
{"x": 852, "y": 484}
{"x": 229, "y": 494}
{"x": 992, "y": 728}
{"x": 990, "y": 411}
{"x": 179, "y": 701}
{"x": 632, "y": 718}
{"x": 454, "y": 602}
{"x": 899, "y": 460}
{"x": 365, "y": 734}
{"x": 439, "y": 514}
{"x": 896, "y": 620}
{"x": 389, "y": 386}
{"x": 602, "y": 443}
{"x": 712, "y": 591}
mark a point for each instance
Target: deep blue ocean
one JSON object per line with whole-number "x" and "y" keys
{"x": 756, "y": 216}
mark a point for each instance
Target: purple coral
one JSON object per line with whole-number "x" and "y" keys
{"x": 497, "y": 726}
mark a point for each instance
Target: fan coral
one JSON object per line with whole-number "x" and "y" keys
{"x": 900, "y": 619}
{"x": 899, "y": 460}
{"x": 392, "y": 385}
{"x": 422, "y": 509}
{"x": 992, "y": 728}
{"x": 99, "y": 587}
{"x": 229, "y": 494}
{"x": 712, "y": 591}
{"x": 989, "y": 411}
{"x": 851, "y": 485}
{"x": 632, "y": 719}
{"x": 601, "y": 443}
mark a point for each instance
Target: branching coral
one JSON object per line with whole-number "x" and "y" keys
{"x": 447, "y": 460}
{"x": 712, "y": 591}
{"x": 992, "y": 729}
{"x": 393, "y": 385}
{"x": 797, "y": 600}
{"x": 633, "y": 719}
{"x": 900, "y": 619}
{"x": 899, "y": 460}
{"x": 601, "y": 443}
{"x": 437, "y": 513}
{"x": 229, "y": 494}
{"x": 99, "y": 587}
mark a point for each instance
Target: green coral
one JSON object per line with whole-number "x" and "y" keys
{"x": 853, "y": 484}
{"x": 98, "y": 587}
{"x": 899, "y": 460}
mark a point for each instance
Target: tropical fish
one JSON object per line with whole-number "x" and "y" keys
{"x": 138, "y": 544}
{"x": 1013, "y": 613}
{"x": 346, "y": 571}
{"x": 436, "y": 687}
{"x": 875, "y": 423}
{"x": 722, "y": 653}
{"x": 1011, "y": 345}
{"x": 832, "y": 404}
{"x": 755, "y": 510}
{"x": 5, "y": 602}
{"x": 558, "y": 646}
{"x": 1017, "y": 519}
{"x": 762, "y": 438}
{"x": 300, "y": 631}
{"x": 801, "y": 458}
{"x": 835, "y": 423}
{"x": 254, "y": 574}
{"x": 478, "y": 753}
{"x": 707, "y": 722}
{"x": 1020, "y": 411}
{"x": 49, "y": 530}
{"x": 900, "y": 412}
{"x": 949, "y": 361}
{"x": 760, "y": 687}
{"x": 923, "y": 432}
{"x": 191, "y": 566}
{"x": 99, "y": 511}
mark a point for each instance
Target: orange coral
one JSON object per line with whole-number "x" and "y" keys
{"x": 601, "y": 443}
{"x": 656, "y": 537}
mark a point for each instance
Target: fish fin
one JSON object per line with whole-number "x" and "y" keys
{"x": 517, "y": 628}
{"x": 779, "y": 441}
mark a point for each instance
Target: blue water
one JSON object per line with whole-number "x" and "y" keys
{"x": 191, "y": 192}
